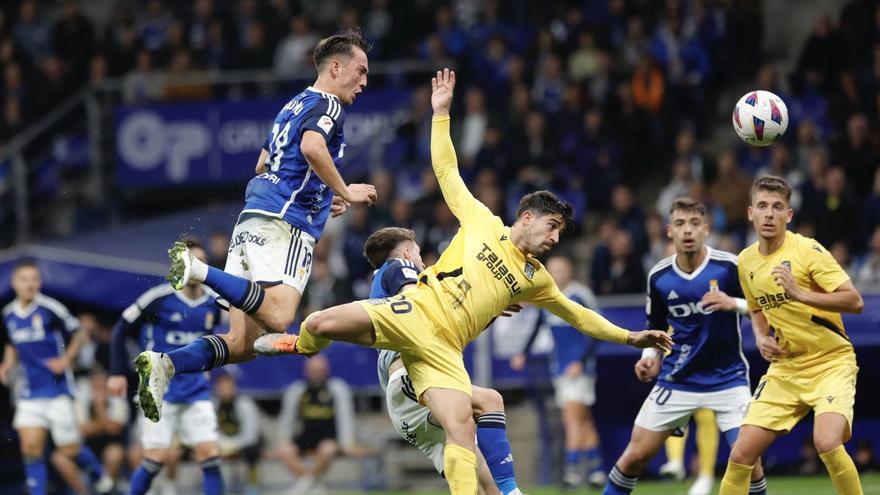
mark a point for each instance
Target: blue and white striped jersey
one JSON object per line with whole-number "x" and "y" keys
{"x": 290, "y": 189}
{"x": 707, "y": 354}
{"x": 39, "y": 332}
{"x": 163, "y": 320}
{"x": 388, "y": 279}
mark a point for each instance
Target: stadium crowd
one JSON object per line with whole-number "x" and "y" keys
{"x": 599, "y": 101}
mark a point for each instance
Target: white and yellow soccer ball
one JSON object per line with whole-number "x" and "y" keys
{"x": 760, "y": 118}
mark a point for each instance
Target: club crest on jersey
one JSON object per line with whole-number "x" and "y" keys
{"x": 786, "y": 265}
{"x": 529, "y": 270}
{"x": 209, "y": 321}
{"x": 326, "y": 123}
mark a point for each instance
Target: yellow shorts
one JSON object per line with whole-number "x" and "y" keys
{"x": 430, "y": 356}
{"x": 781, "y": 400}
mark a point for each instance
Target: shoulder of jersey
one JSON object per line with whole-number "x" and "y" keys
{"x": 334, "y": 108}
{"x": 53, "y": 305}
{"x": 402, "y": 262}
{"x": 661, "y": 266}
{"x": 9, "y": 308}
{"x": 156, "y": 292}
{"x": 749, "y": 250}
{"x": 723, "y": 256}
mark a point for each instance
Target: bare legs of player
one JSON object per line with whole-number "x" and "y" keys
{"x": 276, "y": 314}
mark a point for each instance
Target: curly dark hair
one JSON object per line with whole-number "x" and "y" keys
{"x": 380, "y": 244}
{"x": 339, "y": 44}
{"x": 546, "y": 203}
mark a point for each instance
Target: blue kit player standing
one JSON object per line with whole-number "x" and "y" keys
{"x": 286, "y": 207}
{"x": 44, "y": 337}
{"x": 164, "y": 319}
{"x": 394, "y": 253}
{"x": 573, "y": 365}
{"x": 696, "y": 293}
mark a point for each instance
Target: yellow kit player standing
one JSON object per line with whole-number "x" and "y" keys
{"x": 486, "y": 268}
{"x": 796, "y": 292}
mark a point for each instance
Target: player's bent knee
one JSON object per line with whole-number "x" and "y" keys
{"x": 741, "y": 454}
{"x": 486, "y": 400}
{"x": 826, "y": 442}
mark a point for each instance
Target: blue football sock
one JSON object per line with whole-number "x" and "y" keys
{"x": 37, "y": 476}
{"x": 619, "y": 483}
{"x": 212, "y": 482}
{"x": 492, "y": 439}
{"x": 202, "y": 354}
{"x": 89, "y": 462}
{"x": 572, "y": 457}
{"x": 758, "y": 487}
{"x": 241, "y": 293}
{"x": 143, "y": 477}
{"x": 593, "y": 458}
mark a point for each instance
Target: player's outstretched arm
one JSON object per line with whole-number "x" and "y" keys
{"x": 459, "y": 199}
{"x": 594, "y": 325}
{"x": 314, "y": 149}
{"x": 261, "y": 167}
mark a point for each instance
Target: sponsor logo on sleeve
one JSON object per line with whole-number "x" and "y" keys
{"x": 326, "y": 123}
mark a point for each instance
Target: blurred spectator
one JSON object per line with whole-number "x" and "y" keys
{"x": 102, "y": 422}
{"x": 238, "y": 422}
{"x": 629, "y": 216}
{"x": 780, "y": 165}
{"x": 584, "y": 62}
{"x": 141, "y": 83}
{"x": 324, "y": 290}
{"x": 657, "y": 240}
{"x": 352, "y": 238}
{"x": 680, "y": 185}
{"x": 218, "y": 248}
{"x": 31, "y": 31}
{"x": 865, "y": 270}
{"x": 257, "y": 53}
{"x": 731, "y": 190}
{"x": 858, "y": 154}
{"x": 316, "y": 424}
{"x": 835, "y": 214}
{"x": 648, "y": 88}
{"x": 73, "y": 39}
{"x": 153, "y": 24}
{"x": 293, "y": 54}
{"x": 864, "y": 456}
{"x": 474, "y": 124}
{"x": 624, "y": 274}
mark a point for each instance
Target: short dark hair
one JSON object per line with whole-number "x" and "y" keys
{"x": 773, "y": 184}
{"x": 546, "y": 203}
{"x": 25, "y": 263}
{"x": 380, "y": 244}
{"x": 687, "y": 205}
{"x": 339, "y": 44}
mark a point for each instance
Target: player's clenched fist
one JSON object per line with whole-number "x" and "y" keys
{"x": 441, "y": 96}
{"x": 647, "y": 369}
{"x": 650, "y": 338}
{"x": 361, "y": 193}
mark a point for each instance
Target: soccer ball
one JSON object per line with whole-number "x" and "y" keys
{"x": 760, "y": 118}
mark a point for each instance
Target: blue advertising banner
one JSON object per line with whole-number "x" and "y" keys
{"x": 216, "y": 142}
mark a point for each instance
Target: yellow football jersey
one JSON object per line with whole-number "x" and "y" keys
{"x": 814, "y": 338}
{"x": 482, "y": 272}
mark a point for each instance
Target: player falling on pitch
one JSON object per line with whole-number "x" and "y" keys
{"x": 286, "y": 207}
{"x": 796, "y": 292}
{"x": 486, "y": 268}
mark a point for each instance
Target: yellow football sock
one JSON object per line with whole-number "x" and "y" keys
{"x": 737, "y": 479}
{"x": 675, "y": 448}
{"x": 460, "y": 469}
{"x": 707, "y": 441}
{"x": 843, "y": 471}
{"x": 309, "y": 343}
